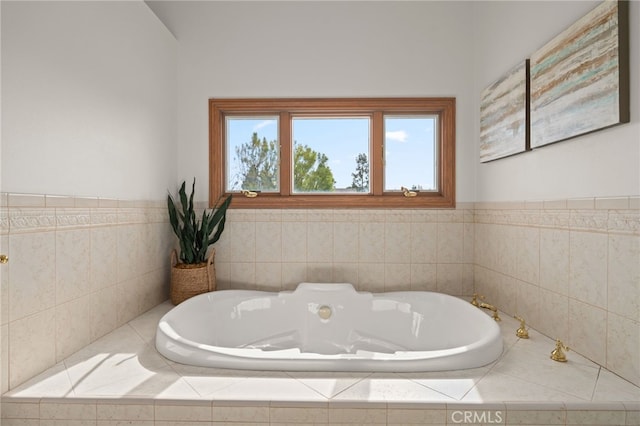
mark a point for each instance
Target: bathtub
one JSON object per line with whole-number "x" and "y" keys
{"x": 328, "y": 327}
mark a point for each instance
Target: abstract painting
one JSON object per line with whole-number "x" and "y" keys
{"x": 504, "y": 127}
{"x": 580, "y": 79}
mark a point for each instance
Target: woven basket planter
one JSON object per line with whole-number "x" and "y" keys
{"x": 190, "y": 280}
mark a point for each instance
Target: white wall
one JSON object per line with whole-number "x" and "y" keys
{"x": 88, "y": 97}
{"x": 2, "y": 240}
{"x": 89, "y": 100}
{"x": 318, "y": 49}
{"x": 605, "y": 163}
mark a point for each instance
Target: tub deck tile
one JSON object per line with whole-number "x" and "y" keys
{"x": 121, "y": 379}
{"x": 390, "y": 387}
{"x": 328, "y": 384}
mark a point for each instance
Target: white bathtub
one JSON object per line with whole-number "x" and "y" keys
{"x": 329, "y": 327}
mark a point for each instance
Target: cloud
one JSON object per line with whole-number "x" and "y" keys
{"x": 262, "y": 124}
{"x": 398, "y": 135}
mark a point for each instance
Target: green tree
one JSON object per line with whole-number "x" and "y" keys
{"x": 361, "y": 175}
{"x": 310, "y": 171}
{"x": 257, "y": 161}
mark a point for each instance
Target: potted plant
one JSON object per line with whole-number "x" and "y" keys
{"x": 193, "y": 272}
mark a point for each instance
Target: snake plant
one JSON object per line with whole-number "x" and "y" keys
{"x": 195, "y": 236}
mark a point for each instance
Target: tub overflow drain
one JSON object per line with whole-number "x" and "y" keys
{"x": 324, "y": 312}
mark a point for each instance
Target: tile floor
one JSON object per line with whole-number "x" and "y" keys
{"x": 122, "y": 373}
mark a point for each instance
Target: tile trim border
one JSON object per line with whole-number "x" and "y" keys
{"x": 619, "y": 215}
{"x": 41, "y": 213}
{"x": 631, "y": 202}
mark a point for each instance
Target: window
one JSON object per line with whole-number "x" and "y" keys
{"x": 365, "y": 152}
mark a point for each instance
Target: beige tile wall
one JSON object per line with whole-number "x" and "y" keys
{"x": 79, "y": 268}
{"x": 376, "y": 250}
{"x": 201, "y": 413}
{"x": 571, "y": 268}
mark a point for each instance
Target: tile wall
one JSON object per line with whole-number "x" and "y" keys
{"x": 208, "y": 413}
{"x": 571, "y": 268}
{"x": 78, "y": 269}
{"x": 376, "y": 250}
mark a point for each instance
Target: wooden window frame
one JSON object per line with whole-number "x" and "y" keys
{"x": 376, "y": 108}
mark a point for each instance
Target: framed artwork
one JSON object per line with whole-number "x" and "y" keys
{"x": 580, "y": 79}
{"x": 504, "y": 115}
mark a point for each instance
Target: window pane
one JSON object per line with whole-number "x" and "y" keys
{"x": 252, "y": 149}
{"x": 330, "y": 155}
{"x": 410, "y": 153}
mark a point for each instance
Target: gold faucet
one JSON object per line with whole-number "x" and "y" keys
{"x": 491, "y": 308}
{"x": 522, "y": 332}
{"x": 474, "y": 301}
{"x": 557, "y": 354}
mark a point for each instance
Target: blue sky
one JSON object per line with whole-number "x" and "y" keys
{"x": 409, "y": 152}
{"x": 409, "y": 144}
